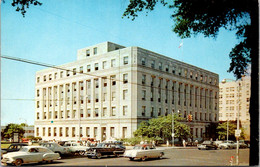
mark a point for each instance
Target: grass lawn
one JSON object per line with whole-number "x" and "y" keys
{"x": 4, "y": 145}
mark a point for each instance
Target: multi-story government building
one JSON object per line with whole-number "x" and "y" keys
{"x": 110, "y": 89}
{"x": 234, "y": 98}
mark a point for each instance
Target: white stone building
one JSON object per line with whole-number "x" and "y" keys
{"x": 233, "y": 100}
{"x": 110, "y": 89}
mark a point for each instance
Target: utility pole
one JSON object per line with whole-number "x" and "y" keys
{"x": 238, "y": 130}
{"x": 227, "y": 129}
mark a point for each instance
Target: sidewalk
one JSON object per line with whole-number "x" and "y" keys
{"x": 165, "y": 147}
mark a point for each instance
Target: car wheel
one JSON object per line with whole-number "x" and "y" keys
{"x": 160, "y": 156}
{"x": 50, "y": 161}
{"x": 199, "y": 148}
{"x": 18, "y": 162}
{"x": 117, "y": 155}
{"x": 82, "y": 153}
{"x": 144, "y": 158}
{"x": 222, "y": 147}
{"x": 98, "y": 155}
{"x": 131, "y": 159}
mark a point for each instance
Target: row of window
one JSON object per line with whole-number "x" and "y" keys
{"x": 82, "y": 69}
{"x": 71, "y": 132}
{"x": 181, "y": 71}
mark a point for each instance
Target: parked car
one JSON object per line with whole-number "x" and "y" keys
{"x": 12, "y": 148}
{"x": 76, "y": 148}
{"x": 143, "y": 152}
{"x": 56, "y": 148}
{"x": 30, "y": 154}
{"x": 218, "y": 142}
{"x": 207, "y": 145}
{"x": 105, "y": 149}
{"x": 227, "y": 145}
{"x": 242, "y": 144}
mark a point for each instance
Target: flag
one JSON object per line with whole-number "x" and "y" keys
{"x": 180, "y": 45}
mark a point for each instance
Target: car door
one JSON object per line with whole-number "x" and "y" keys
{"x": 34, "y": 155}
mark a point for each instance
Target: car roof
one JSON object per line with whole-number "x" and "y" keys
{"x": 34, "y": 147}
{"x": 144, "y": 145}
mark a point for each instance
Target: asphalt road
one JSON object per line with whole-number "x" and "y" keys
{"x": 173, "y": 157}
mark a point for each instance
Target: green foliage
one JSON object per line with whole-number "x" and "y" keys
{"x": 222, "y": 131}
{"x": 21, "y": 5}
{"x": 161, "y": 128}
{"x": 13, "y": 128}
{"x": 192, "y": 17}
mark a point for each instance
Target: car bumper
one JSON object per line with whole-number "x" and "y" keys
{"x": 91, "y": 154}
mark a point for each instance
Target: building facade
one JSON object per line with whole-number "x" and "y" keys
{"x": 234, "y": 98}
{"x": 110, "y": 89}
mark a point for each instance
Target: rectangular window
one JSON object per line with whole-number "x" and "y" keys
{"x": 143, "y": 79}
{"x": 44, "y": 78}
{"x": 95, "y": 51}
{"x": 61, "y": 74}
{"x": 104, "y": 64}
{"x": 38, "y": 79}
{"x": 124, "y": 110}
{"x": 159, "y": 112}
{"x": 67, "y": 131}
{"x": 88, "y": 68}
{"x": 96, "y": 66}
{"x": 104, "y": 113}
{"x": 143, "y": 94}
{"x": 167, "y": 68}
{"x": 143, "y": 110}
{"x": 125, "y": 94}
{"x": 143, "y": 61}
{"x": 50, "y": 77}
{"x": 105, "y": 97}
{"x": 113, "y": 80}
{"x": 160, "y": 66}
{"x": 87, "y": 131}
{"x": 74, "y": 71}
{"x": 89, "y": 112}
{"x": 96, "y": 83}
{"x": 113, "y": 96}
{"x": 105, "y": 82}
{"x": 95, "y": 132}
{"x": 125, "y": 78}
{"x": 153, "y": 64}
{"x": 152, "y": 111}
{"x": 113, "y": 111}
{"x": 43, "y": 131}
{"x": 68, "y": 73}
{"x": 112, "y": 131}
{"x": 125, "y": 60}
{"x": 96, "y": 112}
{"x": 87, "y": 52}
{"x": 81, "y": 69}
{"x": 173, "y": 70}
{"x": 113, "y": 62}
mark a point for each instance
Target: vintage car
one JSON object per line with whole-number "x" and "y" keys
{"x": 30, "y": 154}
{"x": 56, "y": 148}
{"x": 12, "y": 148}
{"x": 242, "y": 144}
{"x": 143, "y": 152}
{"x": 105, "y": 149}
{"x": 206, "y": 145}
{"x": 76, "y": 148}
{"x": 227, "y": 145}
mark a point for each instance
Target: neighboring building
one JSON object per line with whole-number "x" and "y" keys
{"x": 110, "y": 89}
{"x": 229, "y": 97}
{"x": 29, "y": 131}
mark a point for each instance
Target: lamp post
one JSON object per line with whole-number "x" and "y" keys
{"x": 237, "y": 132}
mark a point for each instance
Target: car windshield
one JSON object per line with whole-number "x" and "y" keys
{"x": 23, "y": 149}
{"x": 137, "y": 147}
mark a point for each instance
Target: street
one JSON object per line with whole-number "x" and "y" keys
{"x": 173, "y": 157}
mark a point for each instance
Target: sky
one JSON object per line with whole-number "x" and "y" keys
{"x": 53, "y": 32}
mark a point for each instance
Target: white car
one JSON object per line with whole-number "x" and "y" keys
{"x": 143, "y": 152}
{"x": 56, "y": 148}
{"x": 30, "y": 154}
{"x": 227, "y": 145}
{"x": 75, "y": 147}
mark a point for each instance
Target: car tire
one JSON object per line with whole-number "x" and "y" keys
{"x": 98, "y": 155}
{"x": 144, "y": 158}
{"x": 160, "y": 156}
{"x": 81, "y": 153}
{"x": 131, "y": 159}
{"x": 18, "y": 162}
{"x": 222, "y": 147}
{"x": 199, "y": 148}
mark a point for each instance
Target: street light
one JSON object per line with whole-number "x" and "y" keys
{"x": 237, "y": 132}
{"x": 173, "y": 127}
{"x": 227, "y": 129}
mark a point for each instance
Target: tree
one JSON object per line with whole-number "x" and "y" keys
{"x": 222, "y": 131}
{"x": 21, "y": 5}
{"x": 161, "y": 128}
{"x": 11, "y": 129}
{"x": 191, "y": 17}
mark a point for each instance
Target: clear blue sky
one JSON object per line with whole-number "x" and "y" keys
{"x": 53, "y": 32}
